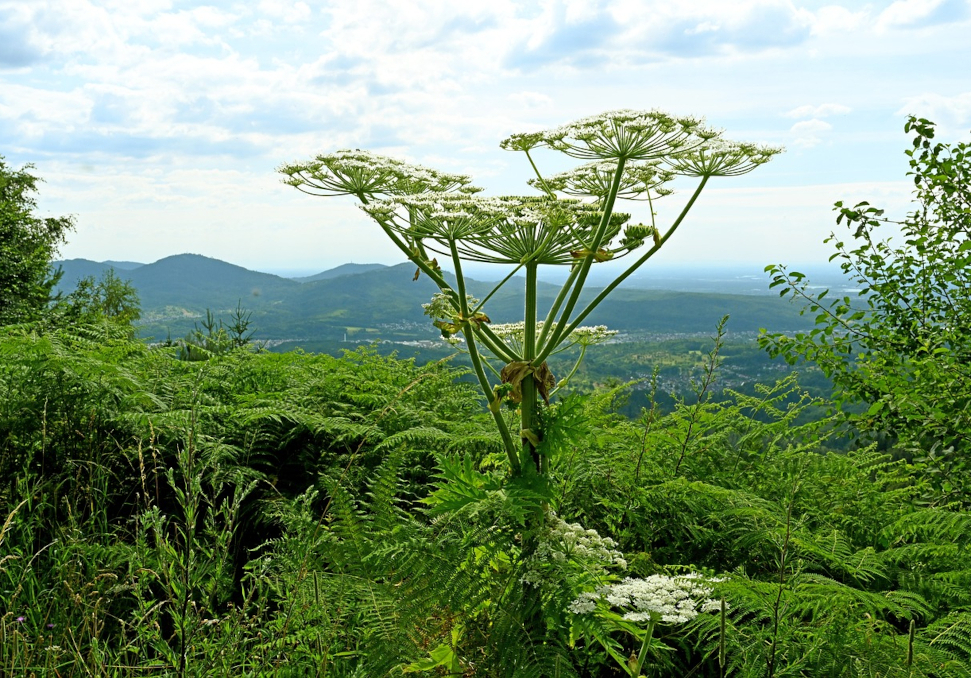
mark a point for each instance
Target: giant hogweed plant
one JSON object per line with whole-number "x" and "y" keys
{"x": 440, "y": 219}
{"x": 574, "y": 222}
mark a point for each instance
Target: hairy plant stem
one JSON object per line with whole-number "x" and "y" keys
{"x": 507, "y": 441}
{"x": 531, "y": 460}
{"x": 529, "y": 404}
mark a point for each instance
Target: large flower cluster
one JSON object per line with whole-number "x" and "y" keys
{"x": 658, "y": 598}
{"x": 721, "y": 158}
{"x": 684, "y": 144}
{"x": 632, "y": 135}
{"x": 367, "y": 174}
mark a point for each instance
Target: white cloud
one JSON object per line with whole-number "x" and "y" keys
{"x": 156, "y": 87}
{"x": 919, "y": 13}
{"x": 635, "y": 31}
{"x": 835, "y": 19}
{"x": 821, "y": 111}
{"x": 953, "y": 114}
{"x": 531, "y": 99}
{"x": 806, "y": 134}
{"x": 285, "y": 10}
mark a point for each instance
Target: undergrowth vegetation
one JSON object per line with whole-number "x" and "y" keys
{"x": 264, "y": 514}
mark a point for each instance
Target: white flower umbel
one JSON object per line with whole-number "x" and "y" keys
{"x": 365, "y": 175}
{"x": 513, "y": 334}
{"x": 502, "y": 230}
{"x": 658, "y": 598}
{"x": 591, "y": 335}
{"x": 632, "y": 135}
{"x": 639, "y": 181}
{"x": 721, "y": 158}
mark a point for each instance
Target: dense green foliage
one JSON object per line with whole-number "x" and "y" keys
{"x": 28, "y": 243}
{"x": 902, "y": 348}
{"x": 307, "y": 515}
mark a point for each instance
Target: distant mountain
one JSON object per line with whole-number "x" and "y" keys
{"x": 196, "y": 282}
{"x": 189, "y": 281}
{"x": 75, "y": 269}
{"x": 384, "y": 302}
{"x": 343, "y": 269}
{"x": 124, "y": 265}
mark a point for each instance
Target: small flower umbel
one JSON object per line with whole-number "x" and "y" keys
{"x": 640, "y": 181}
{"x": 564, "y": 546}
{"x": 658, "y": 599}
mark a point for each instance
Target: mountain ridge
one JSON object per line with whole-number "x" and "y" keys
{"x": 176, "y": 291}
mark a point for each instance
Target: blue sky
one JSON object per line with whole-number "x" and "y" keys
{"x": 160, "y": 123}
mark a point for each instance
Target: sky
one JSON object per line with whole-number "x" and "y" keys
{"x": 159, "y": 124}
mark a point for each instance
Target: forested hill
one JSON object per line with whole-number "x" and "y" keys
{"x": 176, "y": 291}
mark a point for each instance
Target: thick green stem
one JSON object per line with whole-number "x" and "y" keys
{"x": 507, "y": 440}
{"x": 531, "y": 459}
{"x": 642, "y": 655}
{"x": 554, "y": 309}
{"x": 459, "y": 280}
{"x": 559, "y": 333}
{"x": 529, "y": 404}
{"x": 496, "y": 345}
{"x": 630, "y": 269}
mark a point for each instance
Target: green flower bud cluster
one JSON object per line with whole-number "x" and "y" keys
{"x": 636, "y": 234}
{"x": 441, "y": 306}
